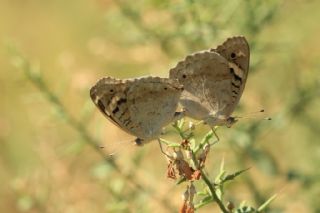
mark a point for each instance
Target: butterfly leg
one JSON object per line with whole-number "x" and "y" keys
{"x": 163, "y": 152}
{"x": 215, "y": 133}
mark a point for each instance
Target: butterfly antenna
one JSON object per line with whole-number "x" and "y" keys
{"x": 255, "y": 112}
{"x": 117, "y": 146}
{"x": 252, "y": 115}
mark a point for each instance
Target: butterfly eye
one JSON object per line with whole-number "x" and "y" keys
{"x": 111, "y": 90}
{"x": 184, "y": 76}
{"x": 233, "y": 55}
{"x": 165, "y": 88}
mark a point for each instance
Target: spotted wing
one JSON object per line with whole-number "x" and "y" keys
{"x": 236, "y": 51}
{"x": 140, "y": 107}
{"x": 110, "y": 96}
{"x": 152, "y": 105}
{"x": 209, "y": 83}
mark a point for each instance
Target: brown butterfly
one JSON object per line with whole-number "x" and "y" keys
{"x": 214, "y": 81}
{"x": 141, "y": 107}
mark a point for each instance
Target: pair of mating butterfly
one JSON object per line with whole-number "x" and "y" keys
{"x": 208, "y": 85}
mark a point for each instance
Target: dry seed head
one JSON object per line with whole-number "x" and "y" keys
{"x": 185, "y": 195}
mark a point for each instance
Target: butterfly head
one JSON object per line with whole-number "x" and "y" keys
{"x": 230, "y": 121}
{"x": 139, "y": 141}
{"x": 221, "y": 121}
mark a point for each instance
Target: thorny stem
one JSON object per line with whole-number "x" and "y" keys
{"x": 209, "y": 184}
{"x": 213, "y": 192}
{"x": 79, "y": 127}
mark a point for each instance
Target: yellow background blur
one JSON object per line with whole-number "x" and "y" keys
{"x": 46, "y": 164}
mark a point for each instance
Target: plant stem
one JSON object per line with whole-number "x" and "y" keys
{"x": 213, "y": 192}
{"x": 209, "y": 184}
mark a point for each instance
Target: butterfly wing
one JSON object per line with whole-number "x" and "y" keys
{"x": 236, "y": 50}
{"x": 140, "y": 107}
{"x": 110, "y": 96}
{"x": 207, "y": 81}
{"x": 152, "y": 105}
{"x": 214, "y": 80}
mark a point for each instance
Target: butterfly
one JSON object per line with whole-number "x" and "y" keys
{"x": 214, "y": 81}
{"x": 141, "y": 106}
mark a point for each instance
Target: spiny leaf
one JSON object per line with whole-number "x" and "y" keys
{"x": 204, "y": 201}
{"x": 202, "y": 193}
{"x": 180, "y": 123}
{"x": 204, "y": 141}
{"x": 265, "y": 204}
{"x": 233, "y": 176}
{"x": 219, "y": 192}
{"x": 192, "y": 142}
{"x": 181, "y": 180}
{"x": 174, "y": 145}
{"x": 169, "y": 143}
{"x": 222, "y": 172}
{"x": 245, "y": 209}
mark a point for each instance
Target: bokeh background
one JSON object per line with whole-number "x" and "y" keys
{"x": 48, "y": 124}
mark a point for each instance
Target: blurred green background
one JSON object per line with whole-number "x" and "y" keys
{"x": 46, "y": 161}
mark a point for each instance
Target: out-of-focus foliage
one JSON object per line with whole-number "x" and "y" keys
{"x": 47, "y": 164}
